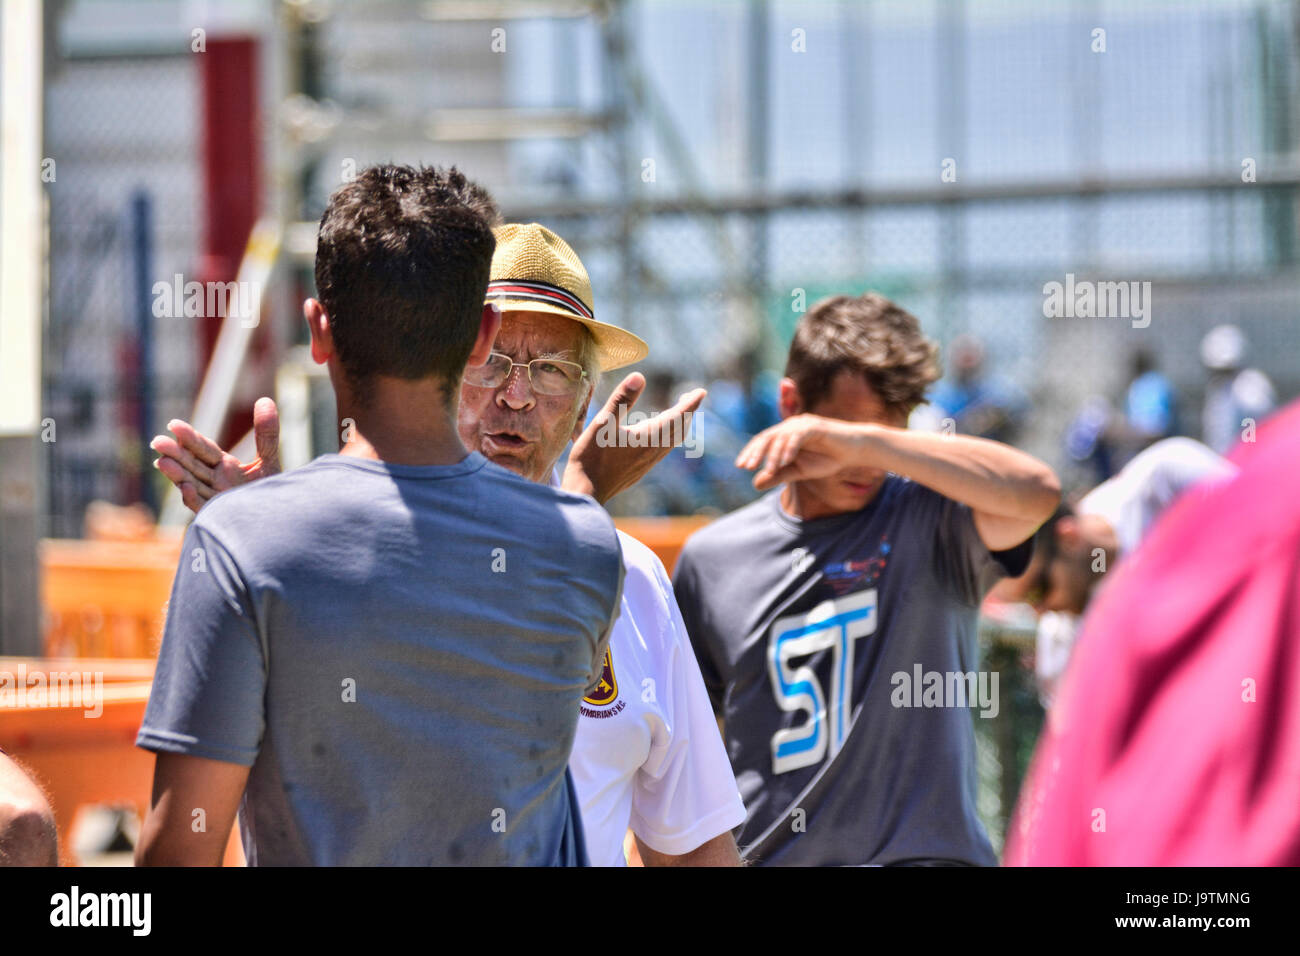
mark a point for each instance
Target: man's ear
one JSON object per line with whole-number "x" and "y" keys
{"x": 488, "y": 326}
{"x": 322, "y": 336}
{"x": 789, "y": 400}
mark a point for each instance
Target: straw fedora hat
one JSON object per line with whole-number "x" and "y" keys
{"x": 534, "y": 270}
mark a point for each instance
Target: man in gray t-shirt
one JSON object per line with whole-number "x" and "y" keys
{"x": 834, "y": 619}
{"x": 354, "y": 632}
{"x": 379, "y": 658}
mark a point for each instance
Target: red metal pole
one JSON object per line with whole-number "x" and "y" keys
{"x": 231, "y": 180}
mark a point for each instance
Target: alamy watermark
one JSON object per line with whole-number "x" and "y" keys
{"x": 946, "y": 689}
{"x": 132, "y": 911}
{"x": 622, "y": 432}
{"x": 180, "y": 299}
{"x": 41, "y": 688}
{"x": 1086, "y": 299}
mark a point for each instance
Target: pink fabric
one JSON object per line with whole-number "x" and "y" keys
{"x": 1151, "y": 735}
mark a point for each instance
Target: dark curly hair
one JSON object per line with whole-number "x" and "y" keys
{"x": 402, "y": 263}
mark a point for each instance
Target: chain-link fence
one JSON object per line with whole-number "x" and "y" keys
{"x": 734, "y": 164}
{"x": 957, "y": 157}
{"x": 123, "y": 204}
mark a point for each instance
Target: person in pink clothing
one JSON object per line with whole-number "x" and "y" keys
{"x": 1175, "y": 740}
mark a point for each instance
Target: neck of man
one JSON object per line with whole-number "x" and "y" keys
{"x": 799, "y": 502}
{"x": 402, "y": 422}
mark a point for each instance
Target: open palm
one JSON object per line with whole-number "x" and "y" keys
{"x": 200, "y": 469}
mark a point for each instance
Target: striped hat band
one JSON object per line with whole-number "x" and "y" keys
{"x": 534, "y": 291}
{"x": 534, "y": 270}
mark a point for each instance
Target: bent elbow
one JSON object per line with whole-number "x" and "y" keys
{"x": 1048, "y": 495}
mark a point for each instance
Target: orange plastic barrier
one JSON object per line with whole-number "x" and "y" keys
{"x": 78, "y": 758}
{"x": 105, "y": 598}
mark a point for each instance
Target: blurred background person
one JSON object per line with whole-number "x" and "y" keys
{"x": 1150, "y": 402}
{"x": 1234, "y": 393}
{"x": 746, "y": 395}
{"x": 981, "y": 403}
{"x": 1101, "y": 438}
{"x": 1089, "y": 438}
{"x": 1079, "y": 546}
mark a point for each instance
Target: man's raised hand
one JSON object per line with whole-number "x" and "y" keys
{"x": 602, "y": 468}
{"x": 198, "y": 467}
{"x": 800, "y": 448}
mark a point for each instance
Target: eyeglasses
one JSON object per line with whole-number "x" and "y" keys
{"x": 546, "y": 376}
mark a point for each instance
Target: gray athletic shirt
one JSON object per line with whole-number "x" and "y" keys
{"x": 800, "y": 628}
{"x": 398, "y": 653}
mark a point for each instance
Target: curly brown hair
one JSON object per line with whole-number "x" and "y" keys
{"x": 869, "y": 335}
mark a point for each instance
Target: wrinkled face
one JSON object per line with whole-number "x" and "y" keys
{"x": 850, "y": 399}
{"x": 511, "y": 424}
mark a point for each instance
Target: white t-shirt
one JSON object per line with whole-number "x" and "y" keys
{"x": 1133, "y": 500}
{"x": 1053, "y": 646}
{"x": 648, "y": 754}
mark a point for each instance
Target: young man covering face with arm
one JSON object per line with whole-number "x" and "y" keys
{"x": 834, "y": 619}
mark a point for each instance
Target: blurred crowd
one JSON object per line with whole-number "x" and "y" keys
{"x": 702, "y": 478}
{"x": 1104, "y": 434}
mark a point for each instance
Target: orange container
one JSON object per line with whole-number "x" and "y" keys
{"x": 105, "y": 598}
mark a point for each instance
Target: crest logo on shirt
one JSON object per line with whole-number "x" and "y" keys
{"x": 606, "y": 691}
{"x": 845, "y": 576}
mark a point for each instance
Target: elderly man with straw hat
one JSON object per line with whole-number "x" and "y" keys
{"x": 647, "y": 757}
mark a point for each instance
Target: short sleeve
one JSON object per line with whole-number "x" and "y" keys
{"x": 967, "y": 565}
{"x": 685, "y": 793}
{"x": 689, "y": 609}
{"x": 209, "y": 687}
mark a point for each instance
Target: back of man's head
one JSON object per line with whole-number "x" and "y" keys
{"x": 402, "y": 263}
